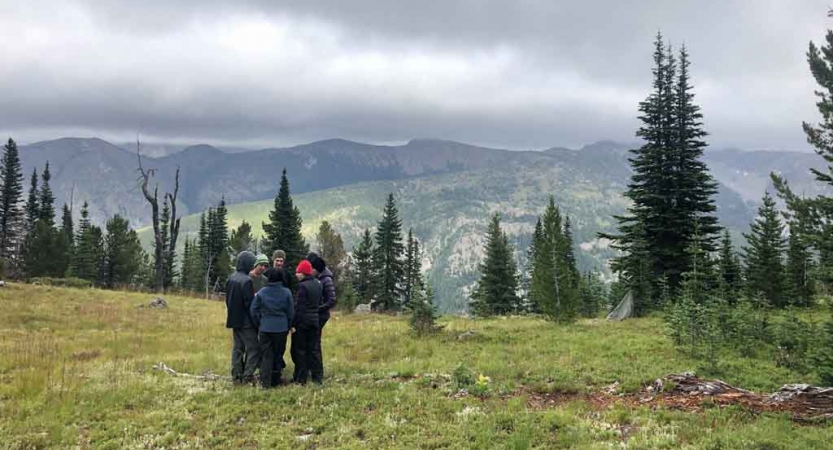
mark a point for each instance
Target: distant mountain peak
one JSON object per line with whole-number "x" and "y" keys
{"x": 202, "y": 148}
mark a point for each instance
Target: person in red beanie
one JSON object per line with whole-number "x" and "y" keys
{"x": 305, "y": 325}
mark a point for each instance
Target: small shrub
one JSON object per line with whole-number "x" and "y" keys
{"x": 793, "y": 337}
{"x": 423, "y": 319}
{"x": 823, "y": 355}
{"x": 462, "y": 377}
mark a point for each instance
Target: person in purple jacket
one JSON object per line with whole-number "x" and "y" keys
{"x": 328, "y": 301}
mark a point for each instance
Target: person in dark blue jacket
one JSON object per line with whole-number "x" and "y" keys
{"x": 305, "y": 334}
{"x": 273, "y": 312}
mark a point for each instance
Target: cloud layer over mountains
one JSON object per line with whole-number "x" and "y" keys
{"x": 527, "y": 74}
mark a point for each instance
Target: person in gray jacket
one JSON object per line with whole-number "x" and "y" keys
{"x": 273, "y": 312}
{"x": 245, "y": 353}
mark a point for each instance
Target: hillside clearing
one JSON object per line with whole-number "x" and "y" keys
{"x": 76, "y": 370}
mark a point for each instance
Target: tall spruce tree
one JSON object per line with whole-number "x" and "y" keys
{"x": 554, "y": 288}
{"x": 122, "y": 253}
{"x": 670, "y": 187}
{"x": 84, "y": 260}
{"x": 218, "y": 234}
{"x": 11, "y": 193}
{"x": 283, "y": 231}
{"x": 799, "y": 282}
{"x": 763, "y": 254}
{"x": 729, "y": 269}
{"x": 363, "y": 273}
{"x": 40, "y": 250}
{"x": 530, "y": 305}
{"x": 241, "y": 239}
{"x": 817, "y": 213}
{"x": 496, "y": 292}
{"x": 65, "y": 247}
{"x": 192, "y": 271}
{"x": 32, "y": 212}
{"x": 43, "y": 246}
{"x": 388, "y": 258}
{"x": 331, "y": 248}
{"x": 413, "y": 269}
{"x": 46, "y": 200}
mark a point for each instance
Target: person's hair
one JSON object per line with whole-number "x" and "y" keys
{"x": 274, "y": 276}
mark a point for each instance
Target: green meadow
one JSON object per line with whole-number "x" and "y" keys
{"x": 77, "y": 371}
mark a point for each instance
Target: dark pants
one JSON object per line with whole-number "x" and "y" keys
{"x": 304, "y": 351}
{"x": 245, "y": 354}
{"x": 318, "y": 363}
{"x": 272, "y": 348}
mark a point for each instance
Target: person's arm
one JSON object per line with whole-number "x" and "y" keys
{"x": 329, "y": 295}
{"x": 300, "y": 305}
{"x": 290, "y": 310}
{"x": 248, "y": 293}
{"x": 254, "y": 311}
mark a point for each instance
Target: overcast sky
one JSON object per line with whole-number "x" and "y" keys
{"x": 525, "y": 74}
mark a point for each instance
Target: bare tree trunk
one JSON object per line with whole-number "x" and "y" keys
{"x": 209, "y": 266}
{"x": 173, "y": 232}
{"x": 153, "y": 200}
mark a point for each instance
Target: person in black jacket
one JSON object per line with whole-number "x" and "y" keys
{"x": 305, "y": 325}
{"x": 325, "y": 276}
{"x": 245, "y": 352}
{"x": 272, "y": 311}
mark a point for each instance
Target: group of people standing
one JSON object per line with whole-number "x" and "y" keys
{"x": 265, "y": 306}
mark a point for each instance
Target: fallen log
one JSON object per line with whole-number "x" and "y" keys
{"x": 162, "y": 367}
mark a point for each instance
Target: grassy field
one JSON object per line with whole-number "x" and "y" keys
{"x": 76, "y": 371}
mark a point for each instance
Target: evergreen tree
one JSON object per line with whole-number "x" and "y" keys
{"x": 423, "y": 319}
{"x": 363, "y": 272}
{"x": 11, "y": 193}
{"x": 554, "y": 287}
{"x": 799, "y": 283}
{"x": 96, "y": 245}
{"x": 218, "y": 235}
{"x": 591, "y": 295}
{"x": 192, "y": 267}
{"x": 569, "y": 252}
{"x": 729, "y": 269}
{"x": 65, "y": 246}
{"x": 284, "y": 228}
{"x": 816, "y": 214}
{"x": 670, "y": 187}
{"x": 388, "y": 258}
{"x": 40, "y": 250}
{"x": 46, "y": 201}
{"x": 496, "y": 291}
{"x": 43, "y": 247}
{"x": 84, "y": 261}
{"x": 530, "y": 305}
{"x": 242, "y": 239}
{"x": 331, "y": 248}
{"x": 764, "y": 254}
{"x": 413, "y": 268}
{"x": 32, "y": 212}
{"x": 122, "y": 253}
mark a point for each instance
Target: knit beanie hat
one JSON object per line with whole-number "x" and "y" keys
{"x": 304, "y": 267}
{"x": 274, "y": 276}
{"x": 278, "y": 254}
{"x": 261, "y": 259}
{"x": 317, "y": 263}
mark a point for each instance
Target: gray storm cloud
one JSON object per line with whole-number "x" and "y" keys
{"x": 528, "y": 74}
